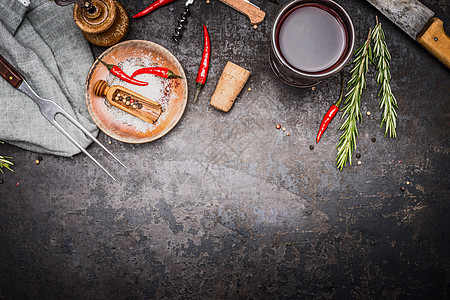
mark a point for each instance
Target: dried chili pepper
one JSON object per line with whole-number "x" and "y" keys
{"x": 204, "y": 65}
{"x": 158, "y": 71}
{"x": 331, "y": 112}
{"x": 122, "y": 75}
{"x": 152, "y": 7}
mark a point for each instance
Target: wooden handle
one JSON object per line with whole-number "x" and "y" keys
{"x": 255, "y": 15}
{"x": 436, "y": 41}
{"x": 9, "y": 73}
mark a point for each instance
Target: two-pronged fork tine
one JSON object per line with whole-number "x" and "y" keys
{"x": 50, "y": 109}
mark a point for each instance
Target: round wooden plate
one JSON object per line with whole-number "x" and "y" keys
{"x": 100, "y": 111}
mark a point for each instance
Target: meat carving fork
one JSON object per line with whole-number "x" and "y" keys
{"x": 49, "y": 109}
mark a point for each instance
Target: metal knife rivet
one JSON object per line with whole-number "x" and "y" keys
{"x": 436, "y": 39}
{"x": 11, "y": 78}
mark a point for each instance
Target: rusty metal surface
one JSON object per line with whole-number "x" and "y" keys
{"x": 226, "y": 206}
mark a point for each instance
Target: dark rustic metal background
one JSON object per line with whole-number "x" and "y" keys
{"x": 225, "y": 206}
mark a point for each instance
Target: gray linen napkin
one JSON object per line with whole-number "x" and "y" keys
{"x": 41, "y": 40}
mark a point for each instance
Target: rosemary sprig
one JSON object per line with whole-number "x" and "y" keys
{"x": 5, "y": 163}
{"x": 388, "y": 101}
{"x": 352, "y": 108}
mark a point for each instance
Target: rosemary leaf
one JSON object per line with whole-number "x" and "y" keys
{"x": 5, "y": 163}
{"x": 388, "y": 102}
{"x": 352, "y": 107}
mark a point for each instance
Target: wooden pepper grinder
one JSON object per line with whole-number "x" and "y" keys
{"x": 103, "y": 22}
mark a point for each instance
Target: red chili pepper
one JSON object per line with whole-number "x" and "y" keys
{"x": 204, "y": 65}
{"x": 152, "y": 7}
{"x": 158, "y": 71}
{"x": 122, "y": 75}
{"x": 330, "y": 113}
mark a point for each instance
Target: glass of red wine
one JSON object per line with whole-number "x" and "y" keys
{"x": 311, "y": 40}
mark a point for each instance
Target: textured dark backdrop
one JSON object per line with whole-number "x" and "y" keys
{"x": 225, "y": 206}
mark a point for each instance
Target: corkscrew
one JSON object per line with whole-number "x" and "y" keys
{"x": 182, "y": 22}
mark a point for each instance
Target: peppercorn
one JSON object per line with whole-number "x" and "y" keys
{"x": 249, "y": 89}
{"x": 408, "y": 183}
{"x": 139, "y": 105}
{"x": 255, "y": 26}
{"x": 134, "y": 106}
{"x": 313, "y": 88}
{"x": 311, "y": 147}
{"x": 278, "y": 126}
{"x": 402, "y": 189}
{"x": 358, "y": 155}
{"x": 1, "y": 181}
{"x": 374, "y": 139}
{"x": 40, "y": 158}
{"x": 127, "y": 103}
{"x": 37, "y": 161}
{"x": 284, "y": 128}
{"x": 359, "y": 162}
{"x": 368, "y": 113}
{"x": 288, "y": 133}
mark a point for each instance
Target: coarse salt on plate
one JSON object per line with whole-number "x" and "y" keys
{"x": 170, "y": 93}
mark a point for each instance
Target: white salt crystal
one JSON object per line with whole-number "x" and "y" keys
{"x": 158, "y": 90}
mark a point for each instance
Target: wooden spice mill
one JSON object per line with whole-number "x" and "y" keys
{"x": 103, "y": 22}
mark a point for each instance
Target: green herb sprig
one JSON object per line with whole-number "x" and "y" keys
{"x": 5, "y": 163}
{"x": 352, "y": 108}
{"x": 388, "y": 102}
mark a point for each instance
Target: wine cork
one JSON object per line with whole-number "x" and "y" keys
{"x": 230, "y": 84}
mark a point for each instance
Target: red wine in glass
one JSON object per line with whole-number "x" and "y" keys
{"x": 312, "y": 38}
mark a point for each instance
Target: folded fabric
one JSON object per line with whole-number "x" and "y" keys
{"x": 40, "y": 39}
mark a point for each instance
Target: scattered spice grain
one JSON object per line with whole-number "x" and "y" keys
{"x": 358, "y": 155}
{"x": 374, "y": 139}
{"x": 37, "y": 161}
{"x": 284, "y": 128}
{"x": 288, "y": 133}
{"x": 368, "y": 113}
{"x": 1, "y": 181}
{"x": 255, "y": 26}
{"x": 311, "y": 147}
{"x": 402, "y": 189}
{"x": 278, "y": 126}
{"x": 359, "y": 162}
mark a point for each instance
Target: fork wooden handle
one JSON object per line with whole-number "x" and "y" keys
{"x": 9, "y": 73}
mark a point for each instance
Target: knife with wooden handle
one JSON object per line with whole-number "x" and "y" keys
{"x": 418, "y": 22}
{"x": 247, "y": 8}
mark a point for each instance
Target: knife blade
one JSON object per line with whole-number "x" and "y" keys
{"x": 418, "y": 22}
